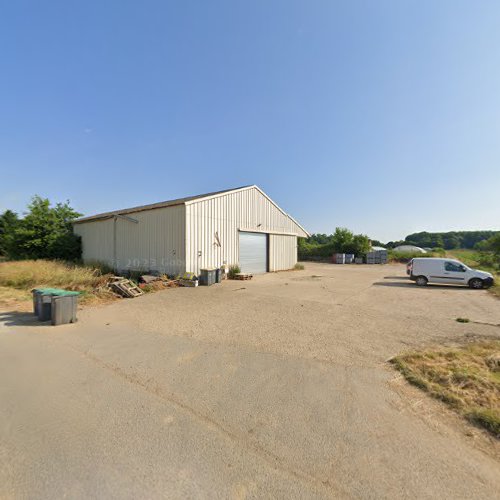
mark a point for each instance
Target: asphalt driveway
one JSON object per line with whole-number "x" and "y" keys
{"x": 273, "y": 388}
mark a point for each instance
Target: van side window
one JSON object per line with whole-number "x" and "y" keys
{"x": 456, "y": 268}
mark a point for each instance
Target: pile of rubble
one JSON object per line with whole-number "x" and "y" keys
{"x": 125, "y": 287}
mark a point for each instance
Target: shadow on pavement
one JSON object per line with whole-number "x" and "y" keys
{"x": 396, "y": 278}
{"x": 14, "y": 318}
{"x": 431, "y": 286}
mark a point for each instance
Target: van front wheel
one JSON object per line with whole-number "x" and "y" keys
{"x": 421, "y": 281}
{"x": 476, "y": 283}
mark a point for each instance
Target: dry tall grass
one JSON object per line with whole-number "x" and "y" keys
{"x": 467, "y": 378}
{"x": 18, "y": 278}
{"x": 27, "y": 274}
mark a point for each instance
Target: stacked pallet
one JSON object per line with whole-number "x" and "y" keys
{"x": 377, "y": 257}
{"x": 124, "y": 287}
{"x": 338, "y": 258}
{"x": 243, "y": 276}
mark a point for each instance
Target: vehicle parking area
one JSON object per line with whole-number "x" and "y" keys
{"x": 278, "y": 387}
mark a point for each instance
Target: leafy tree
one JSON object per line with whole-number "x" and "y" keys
{"x": 342, "y": 239}
{"x": 451, "y": 240}
{"x": 45, "y": 233}
{"x": 320, "y": 239}
{"x": 8, "y": 221}
{"x": 490, "y": 245}
{"x": 436, "y": 241}
{"x": 360, "y": 245}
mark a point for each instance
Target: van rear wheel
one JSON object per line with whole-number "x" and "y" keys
{"x": 476, "y": 283}
{"x": 421, "y": 281}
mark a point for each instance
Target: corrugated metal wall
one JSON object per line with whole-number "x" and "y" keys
{"x": 282, "y": 252}
{"x": 202, "y": 233}
{"x": 212, "y": 228}
{"x": 97, "y": 241}
{"x": 155, "y": 243}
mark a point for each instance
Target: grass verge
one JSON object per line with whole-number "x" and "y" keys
{"x": 467, "y": 378}
{"x": 18, "y": 278}
{"x": 476, "y": 260}
{"x": 404, "y": 257}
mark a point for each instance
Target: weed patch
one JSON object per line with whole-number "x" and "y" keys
{"x": 465, "y": 378}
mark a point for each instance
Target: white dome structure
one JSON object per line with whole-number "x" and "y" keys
{"x": 409, "y": 249}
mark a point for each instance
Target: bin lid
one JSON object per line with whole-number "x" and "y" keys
{"x": 55, "y": 291}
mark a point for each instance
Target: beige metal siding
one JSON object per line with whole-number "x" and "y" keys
{"x": 155, "y": 243}
{"x": 212, "y": 227}
{"x": 97, "y": 241}
{"x": 282, "y": 252}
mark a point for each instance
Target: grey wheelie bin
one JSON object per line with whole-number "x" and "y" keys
{"x": 42, "y": 302}
{"x": 64, "y": 308}
{"x": 60, "y": 311}
{"x": 218, "y": 275}
{"x": 207, "y": 277}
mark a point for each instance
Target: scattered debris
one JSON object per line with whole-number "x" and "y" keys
{"x": 189, "y": 279}
{"x": 149, "y": 278}
{"x": 124, "y": 287}
{"x": 191, "y": 283}
{"x": 242, "y": 276}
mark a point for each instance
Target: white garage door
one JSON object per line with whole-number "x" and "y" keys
{"x": 253, "y": 252}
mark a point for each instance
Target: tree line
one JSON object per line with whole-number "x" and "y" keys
{"x": 322, "y": 246}
{"x": 448, "y": 240}
{"x": 44, "y": 232}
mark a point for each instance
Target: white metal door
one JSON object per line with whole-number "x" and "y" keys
{"x": 253, "y": 252}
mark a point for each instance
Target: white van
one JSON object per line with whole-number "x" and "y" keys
{"x": 449, "y": 271}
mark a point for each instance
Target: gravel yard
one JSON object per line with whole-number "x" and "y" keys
{"x": 278, "y": 387}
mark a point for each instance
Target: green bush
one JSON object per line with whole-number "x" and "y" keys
{"x": 407, "y": 256}
{"x": 341, "y": 241}
{"x": 485, "y": 260}
{"x": 233, "y": 270}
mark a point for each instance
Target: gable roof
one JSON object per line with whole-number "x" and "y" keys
{"x": 160, "y": 204}
{"x": 180, "y": 201}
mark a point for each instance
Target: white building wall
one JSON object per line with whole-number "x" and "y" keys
{"x": 155, "y": 243}
{"x": 282, "y": 252}
{"x": 213, "y": 224}
{"x": 97, "y": 241}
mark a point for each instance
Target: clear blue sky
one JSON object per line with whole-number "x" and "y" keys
{"x": 382, "y": 116}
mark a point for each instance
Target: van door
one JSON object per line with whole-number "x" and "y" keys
{"x": 452, "y": 273}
